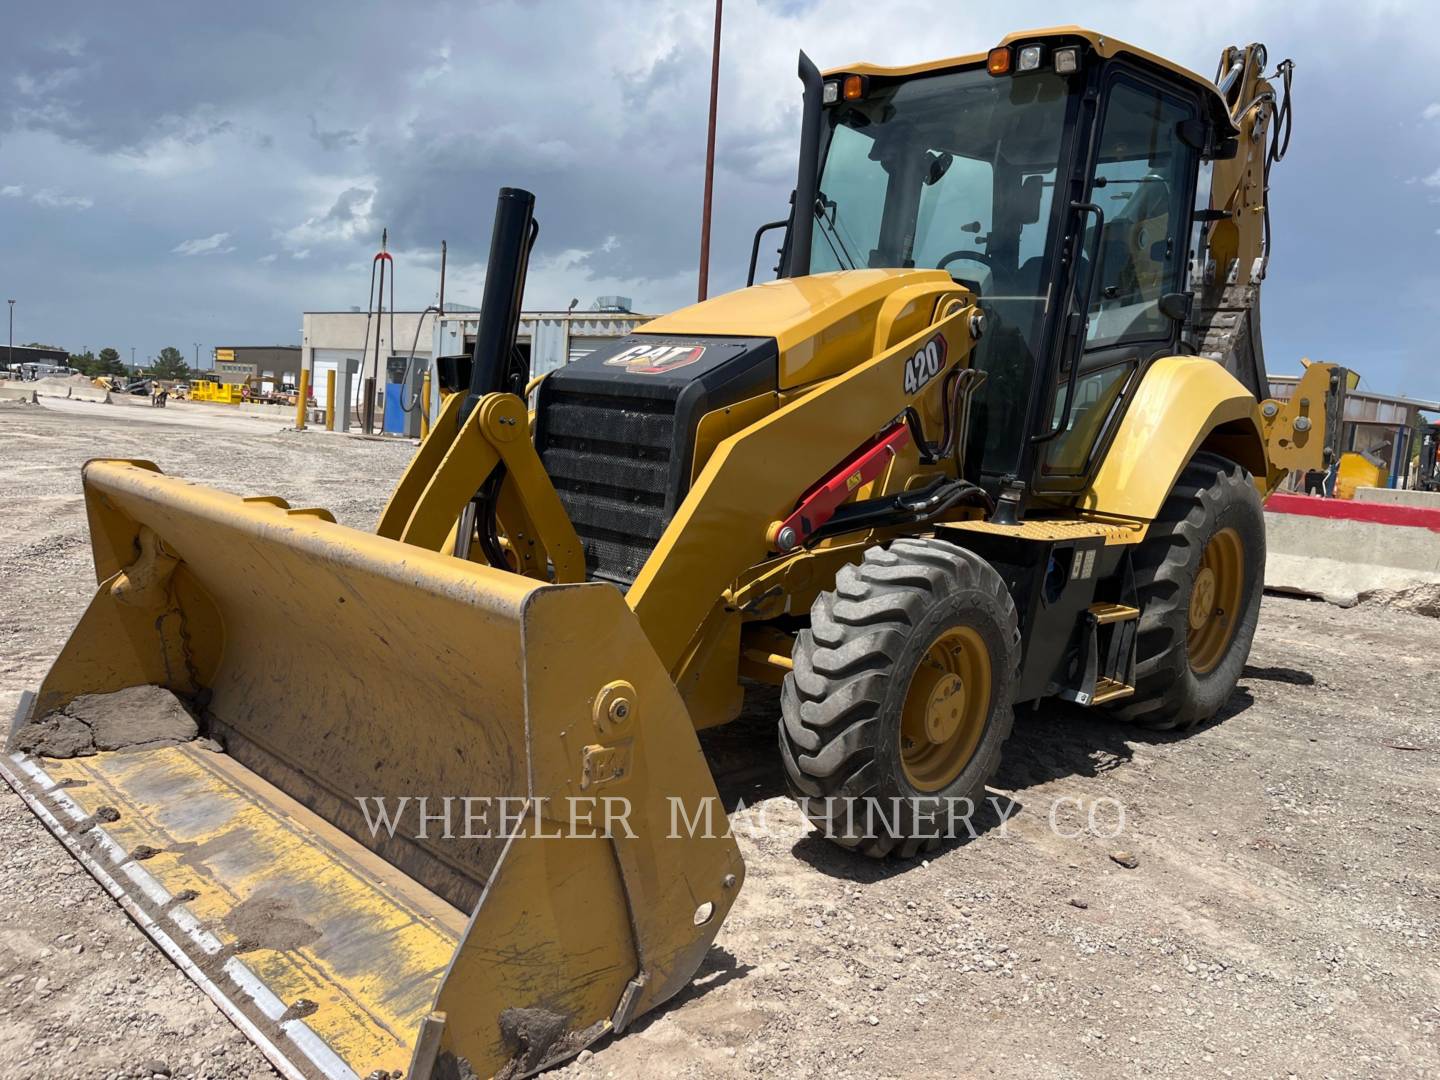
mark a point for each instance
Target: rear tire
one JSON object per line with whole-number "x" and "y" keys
{"x": 900, "y": 697}
{"x": 1208, "y": 543}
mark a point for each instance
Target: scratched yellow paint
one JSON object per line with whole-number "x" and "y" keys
{"x": 380, "y": 943}
{"x": 349, "y": 1027}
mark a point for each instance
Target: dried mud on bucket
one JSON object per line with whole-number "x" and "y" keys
{"x": 138, "y": 718}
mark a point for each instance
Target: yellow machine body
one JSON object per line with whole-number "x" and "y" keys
{"x": 529, "y": 728}
{"x": 316, "y": 649}
{"x": 1188, "y": 404}
{"x": 1357, "y": 471}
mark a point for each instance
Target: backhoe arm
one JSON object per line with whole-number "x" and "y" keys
{"x": 1303, "y": 432}
{"x": 1235, "y": 240}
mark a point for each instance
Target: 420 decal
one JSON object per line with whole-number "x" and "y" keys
{"x": 925, "y": 364}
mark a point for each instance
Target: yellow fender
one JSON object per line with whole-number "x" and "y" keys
{"x": 1185, "y": 404}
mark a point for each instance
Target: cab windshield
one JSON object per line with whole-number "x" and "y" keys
{"x": 957, "y": 172}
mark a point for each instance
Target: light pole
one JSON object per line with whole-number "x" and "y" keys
{"x": 10, "y": 355}
{"x": 197, "y": 356}
{"x": 704, "y": 283}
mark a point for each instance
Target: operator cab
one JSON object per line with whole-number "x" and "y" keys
{"x": 1056, "y": 178}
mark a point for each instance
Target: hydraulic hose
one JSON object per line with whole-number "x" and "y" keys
{"x": 1282, "y": 122}
{"x": 410, "y": 361}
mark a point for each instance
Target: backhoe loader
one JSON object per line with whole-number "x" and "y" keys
{"x": 997, "y": 433}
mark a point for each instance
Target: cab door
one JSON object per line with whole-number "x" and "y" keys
{"x": 1134, "y": 251}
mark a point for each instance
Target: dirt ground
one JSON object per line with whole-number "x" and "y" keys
{"x": 1282, "y": 918}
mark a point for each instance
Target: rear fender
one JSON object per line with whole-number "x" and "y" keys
{"x": 1185, "y": 404}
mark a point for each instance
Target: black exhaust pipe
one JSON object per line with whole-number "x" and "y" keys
{"x": 807, "y": 180}
{"x": 496, "y": 365}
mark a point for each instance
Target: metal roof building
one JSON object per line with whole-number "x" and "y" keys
{"x": 552, "y": 338}
{"x": 332, "y": 339}
{"x": 1379, "y": 424}
{"x": 269, "y": 367}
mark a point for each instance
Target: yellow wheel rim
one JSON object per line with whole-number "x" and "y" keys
{"x": 945, "y": 709}
{"x": 1215, "y": 601}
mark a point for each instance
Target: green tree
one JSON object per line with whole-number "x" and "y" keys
{"x": 109, "y": 362}
{"x": 85, "y": 363}
{"x": 170, "y": 364}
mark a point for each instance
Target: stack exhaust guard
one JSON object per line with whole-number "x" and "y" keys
{"x": 495, "y": 367}
{"x": 339, "y": 668}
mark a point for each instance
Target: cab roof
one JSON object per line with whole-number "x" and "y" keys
{"x": 1101, "y": 44}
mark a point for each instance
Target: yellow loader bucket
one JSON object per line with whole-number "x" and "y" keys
{"x": 460, "y": 826}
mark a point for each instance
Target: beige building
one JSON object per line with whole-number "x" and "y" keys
{"x": 333, "y": 340}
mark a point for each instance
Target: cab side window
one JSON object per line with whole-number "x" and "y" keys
{"x": 1142, "y": 173}
{"x": 1141, "y": 181}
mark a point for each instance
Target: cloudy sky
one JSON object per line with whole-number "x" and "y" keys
{"x": 174, "y": 174}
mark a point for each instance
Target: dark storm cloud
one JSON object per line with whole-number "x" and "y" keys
{"x": 669, "y": 73}
{"x": 339, "y": 139}
{"x": 350, "y": 205}
{"x": 614, "y": 156}
{"x": 96, "y": 88}
{"x": 438, "y": 185}
{"x": 613, "y": 147}
{"x": 133, "y": 133}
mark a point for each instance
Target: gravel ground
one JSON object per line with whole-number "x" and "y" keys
{"x": 1282, "y": 917}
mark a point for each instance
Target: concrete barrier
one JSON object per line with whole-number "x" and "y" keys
{"x": 1342, "y": 550}
{"x": 1398, "y": 497}
{"x": 17, "y": 392}
{"x": 267, "y": 411}
{"x": 53, "y": 388}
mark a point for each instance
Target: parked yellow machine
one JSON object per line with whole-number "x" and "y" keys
{"x": 994, "y": 435}
{"x": 1357, "y": 471}
{"x": 215, "y": 392}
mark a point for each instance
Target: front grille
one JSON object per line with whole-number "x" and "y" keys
{"x": 616, "y": 432}
{"x": 609, "y": 457}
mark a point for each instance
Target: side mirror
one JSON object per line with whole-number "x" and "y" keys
{"x": 939, "y": 165}
{"x": 1032, "y": 188}
{"x": 1193, "y": 133}
{"x": 1176, "y": 305}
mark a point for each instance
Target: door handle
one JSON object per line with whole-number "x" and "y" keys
{"x": 1076, "y": 320}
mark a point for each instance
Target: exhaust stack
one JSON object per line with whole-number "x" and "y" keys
{"x": 496, "y": 366}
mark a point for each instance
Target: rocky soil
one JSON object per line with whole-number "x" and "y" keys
{"x": 1281, "y": 916}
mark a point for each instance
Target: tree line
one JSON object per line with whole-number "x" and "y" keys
{"x": 169, "y": 364}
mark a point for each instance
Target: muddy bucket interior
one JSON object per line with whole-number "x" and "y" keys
{"x": 436, "y": 826}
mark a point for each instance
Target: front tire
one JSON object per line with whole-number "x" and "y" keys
{"x": 1199, "y": 573}
{"x": 900, "y": 697}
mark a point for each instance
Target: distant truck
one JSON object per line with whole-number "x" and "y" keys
{"x": 29, "y": 371}
{"x": 1428, "y": 476}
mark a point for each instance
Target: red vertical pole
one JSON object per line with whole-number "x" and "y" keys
{"x": 710, "y": 159}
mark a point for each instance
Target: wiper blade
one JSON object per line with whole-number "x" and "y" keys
{"x": 830, "y": 229}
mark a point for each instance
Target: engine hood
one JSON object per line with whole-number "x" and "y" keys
{"x": 822, "y": 324}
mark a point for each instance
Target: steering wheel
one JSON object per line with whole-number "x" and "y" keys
{"x": 978, "y": 256}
